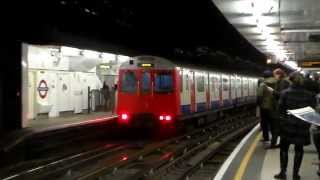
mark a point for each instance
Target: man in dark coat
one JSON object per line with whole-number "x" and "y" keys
{"x": 281, "y": 84}
{"x": 293, "y": 130}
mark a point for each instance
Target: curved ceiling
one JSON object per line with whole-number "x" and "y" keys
{"x": 285, "y": 30}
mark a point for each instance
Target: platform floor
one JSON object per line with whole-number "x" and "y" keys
{"x": 66, "y": 120}
{"x": 11, "y": 139}
{"x": 252, "y": 161}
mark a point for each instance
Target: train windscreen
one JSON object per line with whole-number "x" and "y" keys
{"x": 129, "y": 82}
{"x": 163, "y": 82}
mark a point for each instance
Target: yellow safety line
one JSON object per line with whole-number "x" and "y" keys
{"x": 244, "y": 163}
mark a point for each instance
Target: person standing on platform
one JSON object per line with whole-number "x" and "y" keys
{"x": 312, "y": 84}
{"x": 266, "y": 103}
{"x": 281, "y": 84}
{"x": 106, "y": 94}
{"x": 316, "y": 134}
{"x": 293, "y": 130}
{"x": 113, "y": 98}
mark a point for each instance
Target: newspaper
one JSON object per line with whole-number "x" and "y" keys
{"x": 307, "y": 114}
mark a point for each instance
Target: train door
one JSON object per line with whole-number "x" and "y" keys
{"x": 233, "y": 88}
{"x": 200, "y": 92}
{"x": 207, "y": 89}
{"x": 245, "y": 88}
{"x": 239, "y": 89}
{"x": 144, "y": 81}
{"x": 31, "y": 95}
{"x": 64, "y": 92}
{"x": 226, "y": 90}
{"x": 185, "y": 92}
{"x": 192, "y": 91}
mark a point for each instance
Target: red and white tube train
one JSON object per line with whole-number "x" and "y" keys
{"x": 155, "y": 88}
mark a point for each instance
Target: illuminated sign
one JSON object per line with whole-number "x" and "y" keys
{"x": 105, "y": 67}
{"x": 309, "y": 63}
{"x": 145, "y": 65}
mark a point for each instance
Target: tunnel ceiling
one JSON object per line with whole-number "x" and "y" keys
{"x": 191, "y": 32}
{"x": 288, "y": 30}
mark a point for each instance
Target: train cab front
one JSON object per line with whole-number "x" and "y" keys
{"x": 145, "y": 120}
{"x": 146, "y": 97}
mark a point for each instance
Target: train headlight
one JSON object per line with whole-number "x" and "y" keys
{"x": 165, "y": 117}
{"x": 124, "y": 116}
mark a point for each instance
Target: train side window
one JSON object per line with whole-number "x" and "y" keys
{"x": 212, "y": 83}
{"x": 145, "y": 82}
{"x": 200, "y": 84}
{"x": 181, "y": 81}
{"x": 187, "y": 82}
{"x": 225, "y": 84}
{"x": 129, "y": 82}
{"x": 163, "y": 82}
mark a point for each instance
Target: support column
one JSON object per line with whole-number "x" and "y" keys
{"x": 10, "y": 83}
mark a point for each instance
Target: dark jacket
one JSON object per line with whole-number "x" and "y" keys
{"x": 292, "y": 129}
{"x": 280, "y": 85}
{"x": 311, "y": 85}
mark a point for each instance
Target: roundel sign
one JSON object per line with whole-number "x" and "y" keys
{"x": 43, "y": 89}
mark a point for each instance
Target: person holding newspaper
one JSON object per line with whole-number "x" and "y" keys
{"x": 292, "y": 129}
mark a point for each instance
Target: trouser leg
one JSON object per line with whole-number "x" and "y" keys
{"x": 274, "y": 131}
{"x": 284, "y": 148}
{"x": 298, "y": 156}
{"x": 264, "y": 124}
{"x": 316, "y": 140}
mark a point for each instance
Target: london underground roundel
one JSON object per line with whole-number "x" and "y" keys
{"x": 43, "y": 89}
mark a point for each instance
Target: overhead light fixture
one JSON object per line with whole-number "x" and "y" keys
{"x": 69, "y": 51}
{"x": 105, "y": 66}
{"x": 269, "y": 61}
{"x": 90, "y": 54}
{"x": 122, "y": 58}
{"x": 299, "y": 30}
{"x": 108, "y": 56}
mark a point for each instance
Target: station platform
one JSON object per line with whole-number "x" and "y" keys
{"x": 252, "y": 161}
{"x": 45, "y": 126}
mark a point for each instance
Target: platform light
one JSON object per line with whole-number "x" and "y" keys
{"x": 122, "y": 58}
{"x": 161, "y": 118}
{"x": 105, "y": 66}
{"x": 269, "y": 61}
{"x": 291, "y": 64}
{"x": 69, "y": 51}
{"x": 107, "y": 57}
{"x": 24, "y": 64}
{"x": 90, "y": 54}
{"x": 300, "y": 30}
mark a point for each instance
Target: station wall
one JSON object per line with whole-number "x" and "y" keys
{"x": 57, "y": 84}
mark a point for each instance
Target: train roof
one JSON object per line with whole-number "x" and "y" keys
{"x": 163, "y": 63}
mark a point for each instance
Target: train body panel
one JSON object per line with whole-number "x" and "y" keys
{"x": 215, "y": 93}
{"x": 157, "y": 88}
{"x": 233, "y": 89}
{"x": 226, "y": 99}
{"x": 200, "y": 91}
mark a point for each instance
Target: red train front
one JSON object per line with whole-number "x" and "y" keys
{"x": 148, "y": 91}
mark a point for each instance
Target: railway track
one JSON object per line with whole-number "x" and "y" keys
{"x": 146, "y": 160}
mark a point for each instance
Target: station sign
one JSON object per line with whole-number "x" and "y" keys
{"x": 43, "y": 89}
{"x": 145, "y": 65}
{"x": 309, "y": 63}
